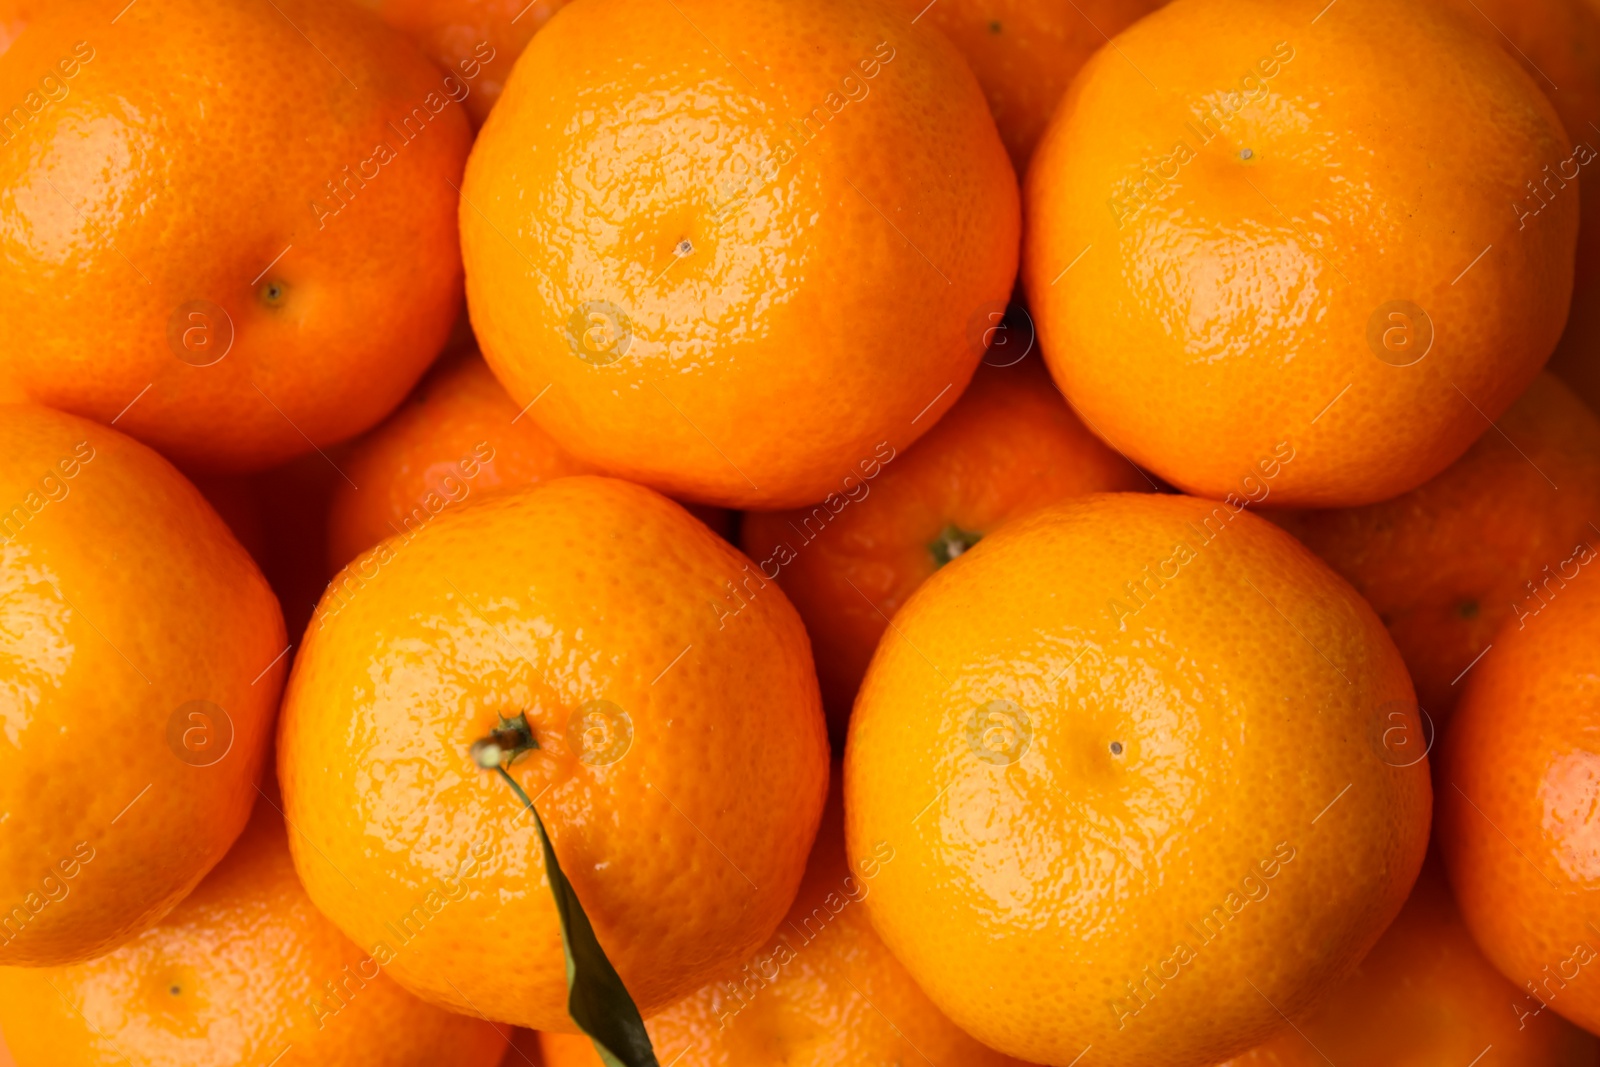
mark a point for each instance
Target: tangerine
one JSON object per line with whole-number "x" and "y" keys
{"x": 1129, "y": 752}
{"x": 137, "y": 290}
{"x": 131, "y": 623}
{"x": 742, "y": 244}
{"x": 681, "y": 761}
{"x": 1518, "y": 780}
{"x": 1205, "y": 292}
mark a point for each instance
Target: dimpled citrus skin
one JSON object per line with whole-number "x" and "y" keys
{"x": 1426, "y": 997}
{"x": 417, "y": 461}
{"x": 488, "y": 33}
{"x": 1233, "y": 310}
{"x": 756, "y": 306}
{"x": 183, "y": 164}
{"x": 1025, "y": 52}
{"x": 823, "y": 991}
{"x": 237, "y": 974}
{"x": 1204, "y": 756}
{"x": 1009, "y": 446}
{"x": 685, "y": 851}
{"x": 1447, "y": 564}
{"x": 1516, "y": 800}
{"x": 123, "y": 597}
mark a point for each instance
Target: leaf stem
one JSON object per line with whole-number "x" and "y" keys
{"x": 597, "y": 1001}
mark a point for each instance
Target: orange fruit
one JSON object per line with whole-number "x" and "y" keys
{"x": 1148, "y": 733}
{"x": 1517, "y": 779}
{"x": 142, "y": 658}
{"x": 681, "y": 769}
{"x": 1447, "y": 564}
{"x": 1025, "y": 52}
{"x": 229, "y": 228}
{"x": 1425, "y": 995}
{"x": 773, "y": 273}
{"x": 1009, "y": 446}
{"x": 823, "y": 991}
{"x": 477, "y": 40}
{"x": 243, "y": 971}
{"x": 1231, "y": 296}
{"x": 458, "y": 437}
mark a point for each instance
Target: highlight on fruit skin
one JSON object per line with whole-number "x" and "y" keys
{"x": 680, "y": 771}
{"x": 1159, "y": 735}
{"x": 144, "y": 655}
{"x": 701, "y": 307}
{"x": 245, "y": 970}
{"x": 1230, "y": 295}
{"x": 235, "y": 248}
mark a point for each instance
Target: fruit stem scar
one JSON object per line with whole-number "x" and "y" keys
{"x": 952, "y": 542}
{"x": 509, "y": 739}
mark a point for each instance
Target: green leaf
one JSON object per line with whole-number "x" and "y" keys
{"x": 596, "y": 998}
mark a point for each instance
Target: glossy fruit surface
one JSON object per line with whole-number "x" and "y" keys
{"x": 1517, "y": 788}
{"x": 1205, "y": 289}
{"x": 141, "y": 657}
{"x": 1149, "y": 731}
{"x": 228, "y": 227}
{"x": 742, "y": 244}
{"x": 245, "y": 970}
{"x": 681, "y": 769}
{"x": 1009, "y": 446}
